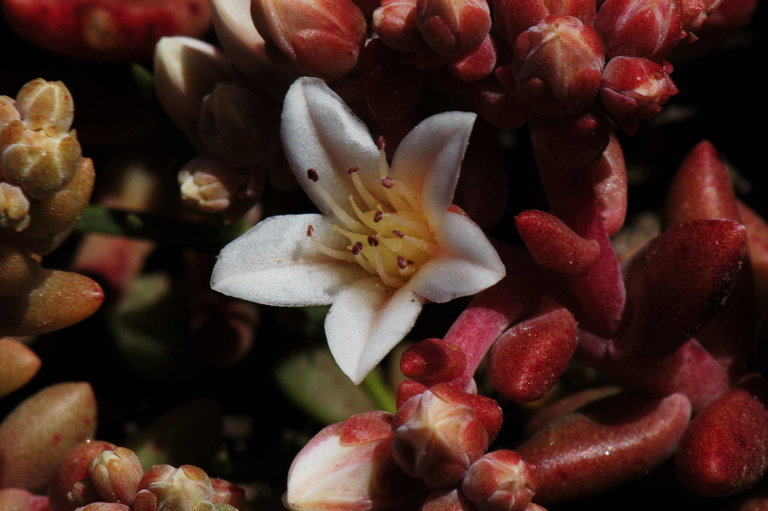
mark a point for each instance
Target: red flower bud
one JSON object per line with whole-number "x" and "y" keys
{"x": 318, "y": 37}
{"x": 513, "y": 17}
{"x": 348, "y": 466}
{"x": 557, "y": 66}
{"x": 640, "y": 28}
{"x": 499, "y": 481}
{"x": 438, "y": 435}
{"x": 453, "y": 27}
{"x": 395, "y": 23}
{"x": 635, "y": 88}
{"x": 115, "y": 475}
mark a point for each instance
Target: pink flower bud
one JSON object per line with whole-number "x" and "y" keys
{"x": 499, "y": 481}
{"x": 210, "y": 184}
{"x": 694, "y": 13}
{"x": 318, "y": 37}
{"x": 513, "y": 17}
{"x": 115, "y": 475}
{"x": 453, "y": 27}
{"x": 635, "y": 88}
{"x": 725, "y": 449}
{"x": 14, "y": 208}
{"x": 640, "y": 28}
{"x": 438, "y": 435}
{"x": 348, "y": 466}
{"x": 395, "y": 23}
{"x": 557, "y": 66}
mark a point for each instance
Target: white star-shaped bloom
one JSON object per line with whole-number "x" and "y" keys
{"x": 386, "y": 240}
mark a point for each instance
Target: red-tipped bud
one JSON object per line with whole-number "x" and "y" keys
{"x": 447, "y": 500}
{"x": 557, "y": 66}
{"x": 348, "y": 466}
{"x": 694, "y": 13}
{"x": 635, "y": 88}
{"x": 570, "y": 142}
{"x": 528, "y": 358}
{"x": 177, "y": 488}
{"x": 115, "y": 475}
{"x": 453, "y": 27}
{"x": 605, "y": 444}
{"x": 725, "y": 449}
{"x": 513, "y": 17}
{"x": 640, "y": 28}
{"x": 72, "y": 469}
{"x": 318, "y": 37}
{"x": 499, "y": 481}
{"x": 701, "y": 188}
{"x": 553, "y": 244}
{"x": 438, "y": 435}
{"x": 395, "y": 23}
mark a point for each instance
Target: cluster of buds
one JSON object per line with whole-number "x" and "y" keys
{"x": 232, "y": 126}
{"x": 99, "y": 476}
{"x": 430, "y": 455}
{"x": 45, "y": 185}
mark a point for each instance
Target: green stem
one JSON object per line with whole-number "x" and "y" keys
{"x": 379, "y": 392}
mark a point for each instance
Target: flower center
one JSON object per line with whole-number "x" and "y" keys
{"x": 390, "y": 238}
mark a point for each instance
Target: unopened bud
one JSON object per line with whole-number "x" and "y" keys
{"x": 513, "y": 17}
{"x": 46, "y": 106}
{"x": 395, "y": 23}
{"x": 557, "y": 66}
{"x": 453, "y": 27}
{"x": 209, "y": 184}
{"x": 14, "y": 208}
{"x": 635, "y": 88}
{"x": 225, "y": 492}
{"x": 499, "y": 481}
{"x": 179, "y": 489}
{"x": 696, "y": 12}
{"x": 116, "y": 474}
{"x": 239, "y": 125}
{"x": 348, "y": 466}
{"x": 8, "y": 112}
{"x": 640, "y": 28}
{"x": 438, "y": 437}
{"x": 318, "y": 37}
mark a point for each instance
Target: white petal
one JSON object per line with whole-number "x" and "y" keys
{"x": 275, "y": 263}
{"x": 467, "y": 264}
{"x": 366, "y": 321}
{"x": 319, "y": 131}
{"x": 429, "y": 159}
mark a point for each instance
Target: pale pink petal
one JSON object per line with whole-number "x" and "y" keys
{"x": 366, "y": 321}
{"x": 276, "y": 263}
{"x": 428, "y": 160}
{"x": 467, "y": 264}
{"x": 319, "y": 131}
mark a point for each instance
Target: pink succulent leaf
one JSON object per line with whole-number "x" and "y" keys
{"x": 528, "y": 358}
{"x": 605, "y": 444}
{"x": 609, "y": 182}
{"x": 678, "y": 280}
{"x": 553, "y": 411}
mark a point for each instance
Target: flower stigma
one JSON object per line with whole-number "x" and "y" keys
{"x": 390, "y": 238}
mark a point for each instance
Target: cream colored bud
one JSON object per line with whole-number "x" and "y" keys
{"x": 46, "y": 106}
{"x": 116, "y": 474}
{"x": 179, "y": 489}
{"x": 8, "y": 111}
{"x": 14, "y": 207}
{"x": 209, "y": 184}
{"x": 39, "y": 164}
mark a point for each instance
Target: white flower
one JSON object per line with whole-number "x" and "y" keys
{"x": 385, "y": 241}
